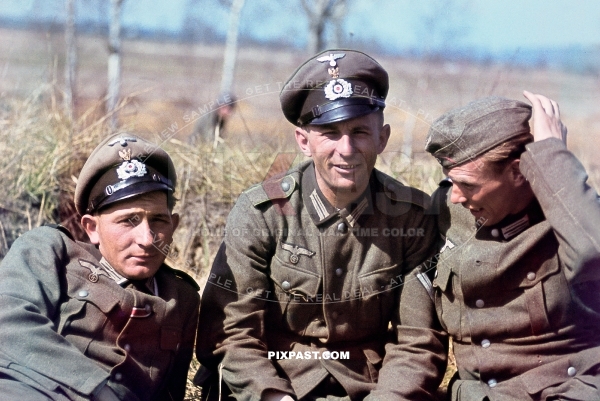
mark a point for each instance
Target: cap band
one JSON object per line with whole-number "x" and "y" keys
{"x": 127, "y": 188}
{"x": 319, "y": 110}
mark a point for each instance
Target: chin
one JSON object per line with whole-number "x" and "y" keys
{"x": 139, "y": 272}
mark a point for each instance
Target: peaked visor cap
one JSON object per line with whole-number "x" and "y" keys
{"x": 335, "y": 85}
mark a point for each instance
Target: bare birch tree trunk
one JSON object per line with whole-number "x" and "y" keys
{"x": 319, "y": 13}
{"x": 114, "y": 62}
{"x": 70, "y": 64}
{"x": 231, "y": 45}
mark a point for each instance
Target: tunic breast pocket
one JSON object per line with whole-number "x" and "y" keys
{"x": 378, "y": 294}
{"x": 545, "y": 290}
{"x": 85, "y": 313}
{"x": 293, "y": 284}
{"x": 292, "y": 281}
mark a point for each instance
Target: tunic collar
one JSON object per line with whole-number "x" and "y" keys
{"x": 319, "y": 208}
{"x": 148, "y": 286}
{"x": 513, "y": 225}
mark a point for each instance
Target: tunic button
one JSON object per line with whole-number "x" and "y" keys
{"x": 342, "y": 227}
{"x": 571, "y": 371}
{"x": 485, "y": 343}
{"x": 285, "y": 186}
{"x": 479, "y": 303}
{"x": 334, "y": 315}
{"x": 286, "y": 285}
{"x": 492, "y": 383}
{"x": 83, "y": 293}
{"x": 338, "y": 272}
{"x": 118, "y": 377}
{"x": 127, "y": 347}
{"x": 495, "y": 233}
{"x": 531, "y": 276}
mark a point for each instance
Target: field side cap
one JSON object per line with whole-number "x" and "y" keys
{"x": 335, "y": 85}
{"x": 465, "y": 133}
{"x": 123, "y": 166}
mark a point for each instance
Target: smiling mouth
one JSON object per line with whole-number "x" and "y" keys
{"x": 345, "y": 166}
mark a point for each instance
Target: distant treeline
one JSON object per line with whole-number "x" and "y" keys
{"x": 574, "y": 59}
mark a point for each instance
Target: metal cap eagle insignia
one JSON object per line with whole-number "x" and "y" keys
{"x": 333, "y": 69}
{"x": 122, "y": 140}
{"x": 296, "y": 251}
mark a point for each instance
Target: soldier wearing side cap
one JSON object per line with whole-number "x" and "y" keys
{"x": 514, "y": 286}
{"x": 314, "y": 260}
{"x": 107, "y": 320}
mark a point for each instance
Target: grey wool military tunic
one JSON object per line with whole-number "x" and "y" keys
{"x": 521, "y": 307}
{"x": 301, "y": 291}
{"x": 67, "y": 328}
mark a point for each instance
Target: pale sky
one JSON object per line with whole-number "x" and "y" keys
{"x": 488, "y": 25}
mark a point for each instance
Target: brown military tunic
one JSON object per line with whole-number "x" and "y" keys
{"x": 307, "y": 282}
{"x": 513, "y": 295}
{"x": 67, "y": 327}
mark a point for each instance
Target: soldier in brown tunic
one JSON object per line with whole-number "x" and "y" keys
{"x": 513, "y": 287}
{"x": 305, "y": 299}
{"x": 107, "y": 321}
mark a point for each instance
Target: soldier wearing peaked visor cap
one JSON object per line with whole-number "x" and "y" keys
{"x": 106, "y": 320}
{"x": 517, "y": 280}
{"x": 314, "y": 293}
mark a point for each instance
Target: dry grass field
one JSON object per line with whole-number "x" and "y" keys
{"x": 165, "y": 84}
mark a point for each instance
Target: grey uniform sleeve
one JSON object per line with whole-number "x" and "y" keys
{"x": 415, "y": 362}
{"x": 571, "y": 206}
{"x": 31, "y": 276}
{"x": 232, "y": 312}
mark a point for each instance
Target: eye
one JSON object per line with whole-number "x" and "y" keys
{"x": 330, "y": 134}
{"x": 129, "y": 221}
{"x": 162, "y": 219}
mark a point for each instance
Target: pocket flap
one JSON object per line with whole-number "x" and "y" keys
{"x": 86, "y": 291}
{"x": 380, "y": 280}
{"x": 293, "y": 280}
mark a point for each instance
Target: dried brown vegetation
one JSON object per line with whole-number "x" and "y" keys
{"x": 165, "y": 84}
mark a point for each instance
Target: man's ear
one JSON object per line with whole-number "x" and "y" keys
{"x": 90, "y": 225}
{"x": 302, "y": 139}
{"x": 515, "y": 172}
{"x": 175, "y": 221}
{"x": 384, "y": 136}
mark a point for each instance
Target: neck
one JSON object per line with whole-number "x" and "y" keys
{"x": 340, "y": 199}
{"x": 522, "y": 200}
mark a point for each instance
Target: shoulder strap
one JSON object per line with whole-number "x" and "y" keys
{"x": 62, "y": 229}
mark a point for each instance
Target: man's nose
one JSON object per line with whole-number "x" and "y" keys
{"x": 144, "y": 235}
{"x": 345, "y": 145}
{"x": 457, "y": 195}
